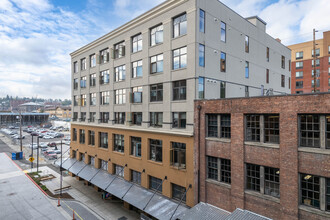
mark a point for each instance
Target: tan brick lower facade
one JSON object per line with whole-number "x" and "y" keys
{"x": 181, "y": 177}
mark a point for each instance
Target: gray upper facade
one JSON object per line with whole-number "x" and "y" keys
{"x": 188, "y": 49}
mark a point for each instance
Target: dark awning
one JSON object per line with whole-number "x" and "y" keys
{"x": 138, "y": 196}
{"x": 119, "y": 187}
{"x": 88, "y": 173}
{"x": 102, "y": 179}
{"x": 77, "y": 167}
{"x": 68, "y": 163}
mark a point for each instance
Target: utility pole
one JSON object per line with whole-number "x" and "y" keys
{"x": 314, "y": 59}
{"x": 20, "y": 130}
{"x": 61, "y": 180}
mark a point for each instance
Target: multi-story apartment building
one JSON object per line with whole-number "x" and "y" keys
{"x": 262, "y": 157}
{"x": 134, "y": 89}
{"x": 303, "y": 65}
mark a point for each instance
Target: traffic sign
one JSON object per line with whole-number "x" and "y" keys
{"x": 31, "y": 159}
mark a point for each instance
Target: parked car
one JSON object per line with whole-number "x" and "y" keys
{"x": 57, "y": 151}
{"x": 52, "y": 144}
{"x": 11, "y": 127}
{"x": 59, "y": 135}
{"x": 34, "y": 146}
{"x": 47, "y": 137}
{"x": 34, "y": 134}
{"x": 43, "y": 145}
{"x": 17, "y": 136}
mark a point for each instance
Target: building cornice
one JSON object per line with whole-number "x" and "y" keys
{"x": 154, "y": 12}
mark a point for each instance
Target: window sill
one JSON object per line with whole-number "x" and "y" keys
{"x": 259, "y": 144}
{"x": 118, "y": 58}
{"x": 225, "y": 185}
{"x": 136, "y": 52}
{"x": 155, "y": 74}
{"x": 179, "y": 101}
{"x": 138, "y": 77}
{"x": 262, "y": 196}
{"x": 156, "y": 102}
{"x": 151, "y": 46}
{"x": 134, "y": 157}
{"x": 178, "y": 168}
{"x": 104, "y": 149}
{"x": 118, "y": 153}
{"x": 119, "y": 81}
{"x": 91, "y": 145}
{"x": 314, "y": 150}
{"x": 224, "y": 140}
{"x": 156, "y": 163}
{"x": 314, "y": 211}
{"x": 92, "y": 67}
{"x": 176, "y": 70}
{"x": 178, "y": 37}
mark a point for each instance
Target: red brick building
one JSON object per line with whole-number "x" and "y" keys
{"x": 302, "y": 66}
{"x": 269, "y": 155}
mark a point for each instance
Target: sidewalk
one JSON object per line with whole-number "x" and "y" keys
{"x": 87, "y": 195}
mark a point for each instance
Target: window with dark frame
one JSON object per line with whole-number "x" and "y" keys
{"x": 136, "y": 146}
{"x": 223, "y": 31}
{"x": 75, "y": 67}
{"x": 252, "y": 128}
{"x": 104, "y": 117}
{"x": 310, "y": 190}
{"x": 223, "y": 62}
{"x": 104, "y": 56}
{"x": 180, "y": 58}
{"x": 137, "y": 69}
{"x": 219, "y": 169}
{"x": 247, "y": 44}
{"x": 83, "y": 64}
{"x": 156, "y": 150}
{"x": 137, "y": 118}
{"x": 92, "y": 116}
{"x": 156, "y": 64}
{"x": 327, "y": 126}
{"x": 247, "y": 69}
{"x": 137, "y": 43}
{"x": 317, "y": 51}
{"x": 309, "y": 131}
{"x": 180, "y": 25}
{"x": 317, "y": 61}
{"x": 83, "y": 100}
{"x": 119, "y": 50}
{"x": 92, "y": 80}
{"x": 75, "y": 100}
{"x": 120, "y": 96}
{"x": 267, "y": 54}
{"x": 75, "y": 84}
{"x": 222, "y": 89}
{"x": 178, "y": 155}
{"x": 272, "y": 128}
{"x": 105, "y": 98}
{"x": 118, "y": 143}
{"x": 201, "y": 55}
{"x": 327, "y": 206}
{"x": 299, "y": 74}
{"x": 103, "y": 140}
{"x": 253, "y": 177}
{"x": 136, "y": 177}
{"x": 119, "y": 118}
{"x": 82, "y": 116}
{"x": 267, "y": 76}
{"x": 81, "y": 136}
{"x": 104, "y": 165}
{"x": 83, "y": 82}
{"x": 178, "y": 192}
{"x": 201, "y": 88}
{"x": 92, "y": 60}
{"x": 299, "y": 84}
{"x": 155, "y": 184}
{"x": 92, "y": 99}
{"x": 74, "y": 134}
{"x": 120, "y": 73}
{"x": 201, "y": 21}
{"x": 179, "y": 90}
{"x": 282, "y": 81}
{"x": 212, "y": 125}
{"x": 91, "y": 138}
{"x": 299, "y": 65}
{"x": 156, "y": 119}
{"x": 104, "y": 77}
{"x": 283, "y": 62}
{"x": 212, "y": 168}
{"x": 75, "y": 116}
{"x": 179, "y": 120}
{"x": 156, "y": 93}
{"x": 272, "y": 181}
{"x": 119, "y": 170}
{"x": 137, "y": 94}
{"x": 156, "y": 35}
{"x": 225, "y": 171}
{"x": 299, "y": 55}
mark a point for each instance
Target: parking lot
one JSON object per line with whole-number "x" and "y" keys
{"x": 47, "y": 154}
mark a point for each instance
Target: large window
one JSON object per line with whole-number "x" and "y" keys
{"x": 92, "y": 116}
{"x": 272, "y": 181}
{"x": 156, "y": 35}
{"x": 156, "y": 93}
{"x": 92, "y": 80}
{"x": 119, "y": 50}
{"x": 137, "y": 43}
{"x": 104, "y": 77}
{"x": 282, "y": 81}
{"x": 218, "y": 126}
{"x": 309, "y": 131}
{"x": 201, "y": 20}
{"x": 137, "y": 94}
{"x": 92, "y": 99}
{"x": 83, "y": 99}
{"x": 317, "y": 52}
{"x": 119, "y": 170}
{"x": 75, "y": 100}
{"x": 104, "y": 117}
{"x": 75, "y": 67}
{"x": 180, "y": 25}
{"x": 119, "y": 118}
{"x": 75, "y": 116}
{"x": 201, "y": 88}
{"x": 223, "y": 31}
{"x": 180, "y": 58}
{"x": 74, "y": 134}
{"x": 155, "y": 184}
{"x": 118, "y": 144}
{"x": 104, "y": 56}
{"x": 120, "y": 73}
{"x": 267, "y": 54}
{"x": 82, "y": 116}
{"x": 178, "y": 192}
{"x": 156, "y": 63}
{"x": 156, "y": 150}
{"x": 83, "y": 64}
{"x": 223, "y": 62}
{"x": 156, "y": 119}
{"x": 317, "y": 61}
{"x": 179, "y": 120}
{"x": 136, "y": 146}
{"x": 327, "y": 126}
{"x": 247, "y": 69}
{"x": 91, "y": 138}
{"x": 75, "y": 84}
{"x": 103, "y": 140}
{"x": 299, "y": 74}
{"x": 272, "y": 128}
{"x": 104, "y": 165}
{"x": 328, "y": 191}
{"x": 219, "y": 169}
{"x": 310, "y": 190}
{"x": 253, "y": 177}
{"x": 92, "y": 60}
{"x": 81, "y": 136}
{"x": 83, "y": 81}
{"x": 267, "y": 76}
{"x": 178, "y": 155}
{"x": 105, "y": 98}
{"x": 201, "y": 55}
{"x": 252, "y": 128}
{"x": 179, "y": 90}
{"x": 137, "y": 118}
{"x": 137, "y": 69}
{"x": 136, "y": 177}
{"x": 299, "y": 65}
{"x": 283, "y": 62}
{"x": 299, "y": 84}
{"x": 299, "y": 55}
{"x": 120, "y": 96}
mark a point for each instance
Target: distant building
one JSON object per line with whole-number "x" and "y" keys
{"x": 303, "y": 69}
{"x": 14, "y": 104}
{"x": 30, "y": 107}
{"x": 27, "y": 119}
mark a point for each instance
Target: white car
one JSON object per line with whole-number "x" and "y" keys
{"x": 47, "y": 137}
{"x": 34, "y": 146}
{"x": 43, "y": 145}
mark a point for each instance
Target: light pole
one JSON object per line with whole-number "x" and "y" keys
{"x": 37, "y": 154}
{"x": 32, "y": 151}
{"x": 20, "y": 130}
{"x": 61, "y": 179}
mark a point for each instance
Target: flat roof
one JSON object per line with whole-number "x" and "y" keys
{"x": 26, "y": 113}
{"x": 20, "y": 198}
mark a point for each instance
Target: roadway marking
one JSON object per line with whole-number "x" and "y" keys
{"x": 73, "y": 210}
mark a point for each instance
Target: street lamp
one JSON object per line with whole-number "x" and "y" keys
{"x": 37, "y": 154}
{"x": 20, "y": 129}
{"x": 32, "y": 151}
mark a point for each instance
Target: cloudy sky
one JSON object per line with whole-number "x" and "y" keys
{"x": 37, "y": 36}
